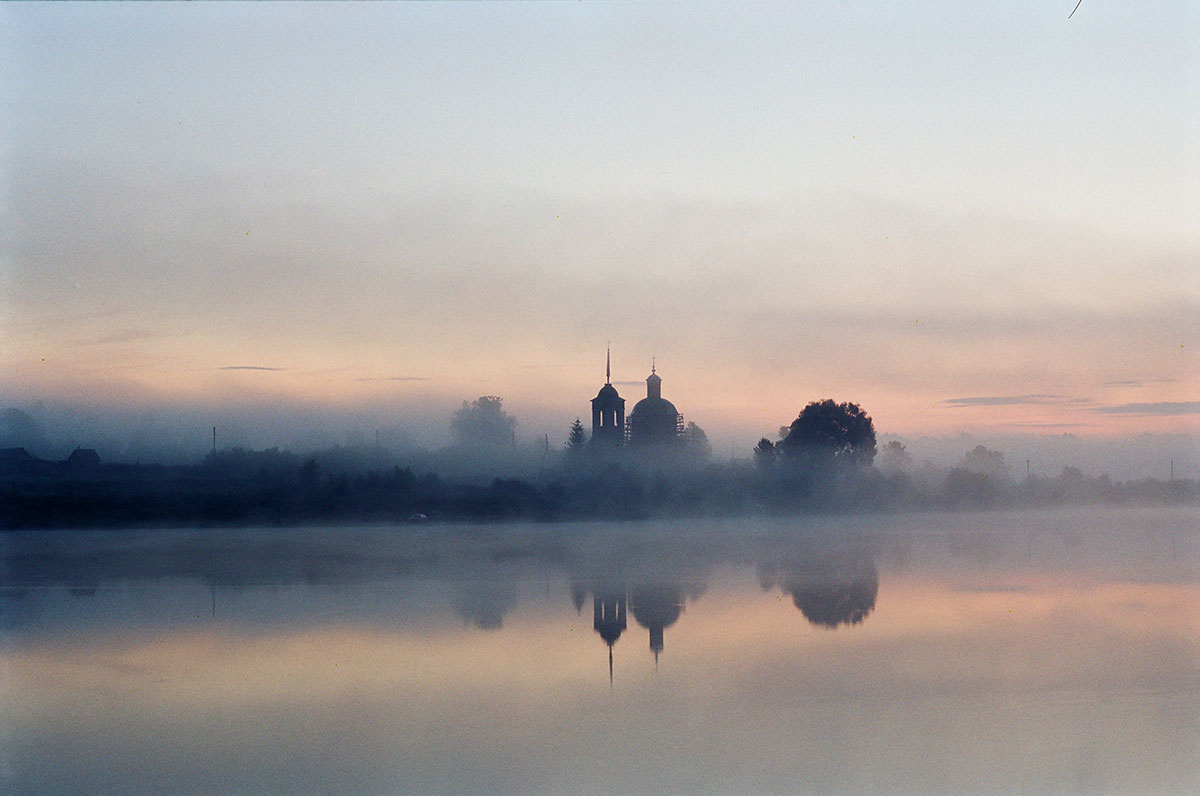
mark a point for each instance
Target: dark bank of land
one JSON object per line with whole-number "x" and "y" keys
{"x": 272, "y": 487}
{"x": 824, "y": 462}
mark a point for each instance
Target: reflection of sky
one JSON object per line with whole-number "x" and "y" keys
{"x": 978, "y": 670}
{"x": 1061, "y": 688}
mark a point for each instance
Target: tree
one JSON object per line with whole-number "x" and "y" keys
{"x": 577, "y": 439}
{"x": 827, "y": 432}
{"x": 984, "y": 461}
{"x": 980, "y": 479}
{"x": 894, "y": 458}
{"x": 484, "y": 423}
{"x": 765, "y": 454}
{"x": 695, "y": 442}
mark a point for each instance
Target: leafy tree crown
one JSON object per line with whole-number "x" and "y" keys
{"x": 483, "y": 422}
{"x": 843, "y": 432}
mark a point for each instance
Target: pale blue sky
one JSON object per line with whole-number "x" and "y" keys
{"x": 771, "y": 198}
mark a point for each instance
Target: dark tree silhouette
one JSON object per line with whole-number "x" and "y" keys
{"x": 577, "y": 439}
{"x": 826, "y": 430}
{"x": 695, "y": 442}
{"x": 310, "y": 471}
{"x": 765, "y": 454}
{"x": 484, "y": 423}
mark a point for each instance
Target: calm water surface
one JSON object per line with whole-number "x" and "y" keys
{"x": 1011, "y": 653}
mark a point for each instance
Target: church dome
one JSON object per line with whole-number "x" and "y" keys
{"x": 653, "y": 421}
{"x": 607, "y": 392}
{"x": 657, "y": 605}
{"x": 653, "y": 408}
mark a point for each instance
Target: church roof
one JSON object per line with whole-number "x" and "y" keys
{"x": 607, "y": 392}
{"x": 83, "y": 456}
{"x": 652, "y": 407}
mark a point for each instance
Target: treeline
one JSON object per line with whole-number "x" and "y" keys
{"x": 274, "y": 487}
{"x": 826, "y": 460}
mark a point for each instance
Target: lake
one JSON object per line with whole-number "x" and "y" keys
{"x": 1051, "y": 652}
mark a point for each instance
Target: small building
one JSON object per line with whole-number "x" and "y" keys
{"x": 83, "y": 457}
{"x": 15, "y": 457}
{"x": 18, "y": 460}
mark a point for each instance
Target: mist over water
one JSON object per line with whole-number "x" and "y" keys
{"x": 1047, "y": 652}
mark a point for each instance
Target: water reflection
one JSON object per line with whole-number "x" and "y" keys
{"x": 484, "y": 603}
{"x": 921, "y": 654}
{"x": 61, "y": 583}
{"x": 608, "y": 620}
{"x": 657, "y": 606}
{"x": 830, "y": 587}
{"x": 649, "y": 570}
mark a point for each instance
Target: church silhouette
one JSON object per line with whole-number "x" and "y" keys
{"x": 654, "y": 421}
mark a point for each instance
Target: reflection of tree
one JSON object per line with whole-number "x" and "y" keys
{"x": 579, "y": 593}
{"x": 484, "y": 603}
{"x": 830, "y": 587}
{"x": 840, "y": 599}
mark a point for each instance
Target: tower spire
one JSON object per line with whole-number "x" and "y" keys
{"x": 608, "y": 364}
{"x": 652, "y": 361}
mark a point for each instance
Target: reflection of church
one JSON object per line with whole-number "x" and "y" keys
{"x": 608, "y": 619}
{"x": 654, "y": 606}
{"x": 653, "y": 421}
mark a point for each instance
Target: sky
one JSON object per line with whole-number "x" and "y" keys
{"x": 968, "y": 218}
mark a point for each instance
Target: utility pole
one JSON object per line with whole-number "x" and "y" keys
{"x": 214, "y": 440}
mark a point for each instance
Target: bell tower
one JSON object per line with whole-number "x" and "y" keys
{"x": 608, "y": 411}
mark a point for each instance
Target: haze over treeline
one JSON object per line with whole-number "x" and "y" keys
{"x": 422, "y": 435}
{"x": 827, "y": 460}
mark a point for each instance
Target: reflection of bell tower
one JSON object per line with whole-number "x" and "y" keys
{"x": 608, "y": 619}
